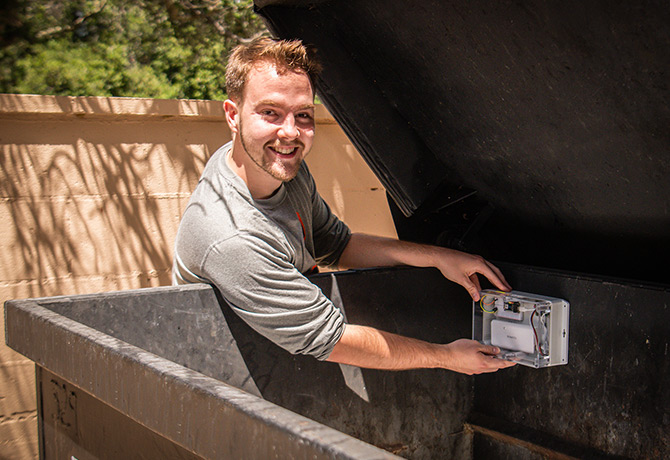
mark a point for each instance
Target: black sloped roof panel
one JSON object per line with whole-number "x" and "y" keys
{"x": 556, "y": 114}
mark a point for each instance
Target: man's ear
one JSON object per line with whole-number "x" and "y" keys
{"x": 232, "y": 112}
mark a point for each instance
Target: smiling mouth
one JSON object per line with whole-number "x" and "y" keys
{"x": 284, "y": 151}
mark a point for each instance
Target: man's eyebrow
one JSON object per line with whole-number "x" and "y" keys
{"x": 271, "y": 103}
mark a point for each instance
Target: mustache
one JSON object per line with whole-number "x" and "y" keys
{"x": 295, "y": 143}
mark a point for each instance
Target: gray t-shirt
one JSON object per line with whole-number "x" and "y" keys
{"x": 256, "y": 251}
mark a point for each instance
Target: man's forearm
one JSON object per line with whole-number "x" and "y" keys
{"x": 365, "y": 251}
{"x": 374, "y": 349}
{"x": 371, "y": 348}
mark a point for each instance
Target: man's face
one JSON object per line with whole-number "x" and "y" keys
{"x": 276, "y": 120}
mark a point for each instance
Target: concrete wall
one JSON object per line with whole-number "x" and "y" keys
{"x": 91, "y": 192}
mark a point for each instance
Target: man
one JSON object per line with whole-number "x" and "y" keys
{"x": 256, "y": 224}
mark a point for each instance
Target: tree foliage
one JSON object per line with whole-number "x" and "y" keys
{"x": 141, "y": 48}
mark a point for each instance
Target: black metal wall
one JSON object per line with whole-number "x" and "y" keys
{"x": 613, "y": 395}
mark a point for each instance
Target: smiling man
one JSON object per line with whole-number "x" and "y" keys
{"x": 255, "y": 226}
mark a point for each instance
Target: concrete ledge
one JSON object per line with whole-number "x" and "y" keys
{"x": 203, "y": 415}
{"x": 38, "y": 106}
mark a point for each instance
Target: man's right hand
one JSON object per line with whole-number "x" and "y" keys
{"x": 471, "y": 357}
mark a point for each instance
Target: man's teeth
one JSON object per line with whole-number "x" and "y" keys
{"x": 284, "y": 150}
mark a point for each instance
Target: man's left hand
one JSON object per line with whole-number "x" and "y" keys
{"x": 462, "y": 268}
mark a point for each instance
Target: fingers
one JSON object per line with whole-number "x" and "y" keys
{"x": 489, "y": 349}
{"x": 475, "y": 281}
{"x": 492, "y": 363}
{"x": 502, "y": 363}
{"x": 471, "y": 357}
{"x": 463, "y": 269}
{"x": 496, "y": 365}
{"x": 492, "y": 273}
{"x": 472, "y": 289}
{"x": 472, "y": 285}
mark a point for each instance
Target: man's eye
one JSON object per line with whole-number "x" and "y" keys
{"x": 267, "y": 113}
{"x": 304, "y": 116}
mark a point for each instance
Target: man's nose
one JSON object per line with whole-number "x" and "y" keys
{"x": 288, "y": 129}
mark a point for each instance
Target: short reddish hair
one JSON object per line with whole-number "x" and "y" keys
{"x": 285, "y": 55}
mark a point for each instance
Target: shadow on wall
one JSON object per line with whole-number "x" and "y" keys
{"x": 93, "y": 190}
{"x": 347, "y": 184}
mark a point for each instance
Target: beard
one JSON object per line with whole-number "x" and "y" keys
{"x": 280, "y": 170}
